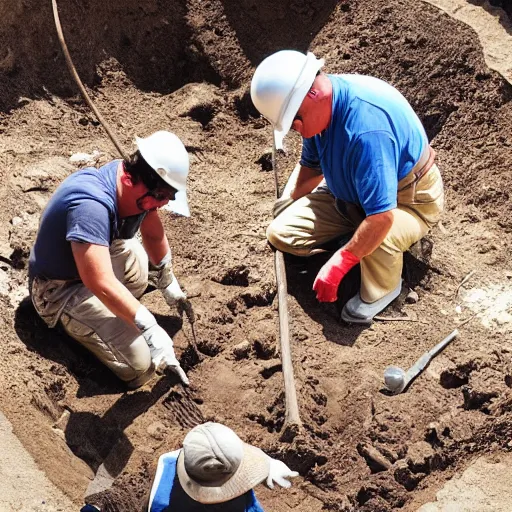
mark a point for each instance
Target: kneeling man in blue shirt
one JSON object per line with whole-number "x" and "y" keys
{"x": 366, "y": 170}
{"x": 87, "y": 268}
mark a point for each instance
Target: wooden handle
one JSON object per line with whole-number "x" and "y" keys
{"x": 292, "y": 418}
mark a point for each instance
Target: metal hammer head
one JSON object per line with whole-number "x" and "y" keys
{"x": 395, "y": 379}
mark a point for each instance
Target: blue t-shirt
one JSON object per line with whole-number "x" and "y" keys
{"x": 374, "y": 139}
{"x": 82, "y": 209}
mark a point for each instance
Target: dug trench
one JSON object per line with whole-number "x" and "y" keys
{"x": 186, "y": 66}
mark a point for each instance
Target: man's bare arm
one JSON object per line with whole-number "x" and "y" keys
{"x": 370, "y": 234}
{"x": 307, "y": 180}
{"x": 154, "y": 238}
{"x": 95, "y": 270}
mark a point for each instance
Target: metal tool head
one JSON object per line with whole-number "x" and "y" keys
{"x": 395, "y": 379}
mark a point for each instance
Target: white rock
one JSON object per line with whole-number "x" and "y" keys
{"x": 80, "y": 158}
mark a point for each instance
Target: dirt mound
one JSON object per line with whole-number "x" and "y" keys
{"x": 186, "y": 66}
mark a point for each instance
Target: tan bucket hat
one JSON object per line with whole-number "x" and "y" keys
{"x": 216, "y": 466}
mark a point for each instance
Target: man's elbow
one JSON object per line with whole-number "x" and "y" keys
{"x": 383, "y": 220}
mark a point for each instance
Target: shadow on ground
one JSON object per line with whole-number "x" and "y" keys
{"x": 94, "y": 438}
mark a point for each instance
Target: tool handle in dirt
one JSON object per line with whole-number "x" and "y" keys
{"x": 425, "y": 359}
{"x": 292, "y": 418}
{"x": 274, "y": 166}
{"x": 75, "y": 76}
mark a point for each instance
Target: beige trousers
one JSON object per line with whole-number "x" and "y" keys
{"x": 117, "y": 344}
{"x": 314, "y": 220}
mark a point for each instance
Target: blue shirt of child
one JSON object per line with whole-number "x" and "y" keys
{"x": 167, "y": 494}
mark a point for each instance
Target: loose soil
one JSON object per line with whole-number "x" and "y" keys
{"x": 186, "y": 66}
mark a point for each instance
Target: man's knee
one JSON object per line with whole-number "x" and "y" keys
{"x": 115, "y": 344}
{"x": 130, "y": 265}
{"x": 281, "y": 240}
{"x": 134, "y": 363}
{"x": 274, "y": 236}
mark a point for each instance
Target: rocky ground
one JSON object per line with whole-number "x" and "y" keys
{"x": 186, "y": 66}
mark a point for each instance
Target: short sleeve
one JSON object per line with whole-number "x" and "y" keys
{"x": 309, "y": 157}
{"x": 376, "y": 177}
{"x": 88, "y": 222}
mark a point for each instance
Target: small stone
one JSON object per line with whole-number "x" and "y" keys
{"x": 60, "y": 425}
{"x": 412, "y": 297}
{"x": 157, "y": 430}
{"x": 242, "y": 350}
{"x": 16, "y": 221}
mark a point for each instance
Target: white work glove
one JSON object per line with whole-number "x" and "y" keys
{"x": 278, "y": 472}
{"x": 173, "y": 293}
{"x": 159, "y": 343}
{"x": 281, "y": 204}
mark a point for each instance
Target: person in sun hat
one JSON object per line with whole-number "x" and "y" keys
{"x": 366, "y": 173}
{"x": 215, "y": 470}
{"x": 87, "y": 269}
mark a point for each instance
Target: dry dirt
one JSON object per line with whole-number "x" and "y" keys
{"x": 185, "y": 66}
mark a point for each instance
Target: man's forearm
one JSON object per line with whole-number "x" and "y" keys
{"x": 154, "y": 238}
{"x": 307, "y": 180}
{"x": 370, "y": 234}
{"x": 117, "y": 298}
{"x": 156, "y": 248}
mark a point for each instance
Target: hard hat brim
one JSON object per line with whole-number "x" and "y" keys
{"x": 296, "y": 97}
{"x": 179, "y": 205}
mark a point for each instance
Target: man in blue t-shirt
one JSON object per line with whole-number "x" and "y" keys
{"x": 87, "y": 270}
{"x": 366, "y": 171}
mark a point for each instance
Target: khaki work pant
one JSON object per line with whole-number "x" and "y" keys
{"x": 314, "y": 220}
{"x": 117, "y": 344}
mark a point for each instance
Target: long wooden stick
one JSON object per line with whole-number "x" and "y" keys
{"x": 292, "y": 421}
{"x": 76, "y": 77}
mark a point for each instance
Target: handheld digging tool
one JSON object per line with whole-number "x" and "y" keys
{"x": 292, "y": 421}
{"x": 184, "y": 306}
{"x": 396, "y": 379}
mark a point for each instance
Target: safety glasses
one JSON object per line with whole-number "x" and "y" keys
{"x": 161, "y": 194}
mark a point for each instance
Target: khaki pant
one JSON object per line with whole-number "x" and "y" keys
{"x": 117, "y": 344}
{"x": 314, "y": 220}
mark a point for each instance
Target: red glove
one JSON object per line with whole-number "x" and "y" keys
{"x": 329, "y": 278}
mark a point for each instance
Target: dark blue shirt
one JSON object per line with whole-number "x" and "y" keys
{"x": 82, "y": 209}
{"x": 372, "y": 142}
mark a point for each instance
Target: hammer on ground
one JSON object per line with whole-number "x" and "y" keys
{"x": 396, "y": 379}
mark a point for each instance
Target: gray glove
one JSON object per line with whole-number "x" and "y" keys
{"x": 160, "y": 344}
{"x": 163, "y": 278}
{"x": 173, "y": 293}
{"x": 281, "y": 204}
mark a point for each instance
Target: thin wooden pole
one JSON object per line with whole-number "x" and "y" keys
{"x": 292, "y": 421}
{"x": 75, "y": 76}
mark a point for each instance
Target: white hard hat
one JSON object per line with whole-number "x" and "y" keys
{"x": 280, "y": 84}
{"x": 167, "y": 155}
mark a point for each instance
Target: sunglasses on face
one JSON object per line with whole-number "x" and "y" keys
{"x": 161, "y": 195}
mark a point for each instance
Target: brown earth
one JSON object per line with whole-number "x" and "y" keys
{"x": 185, "y": 66}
